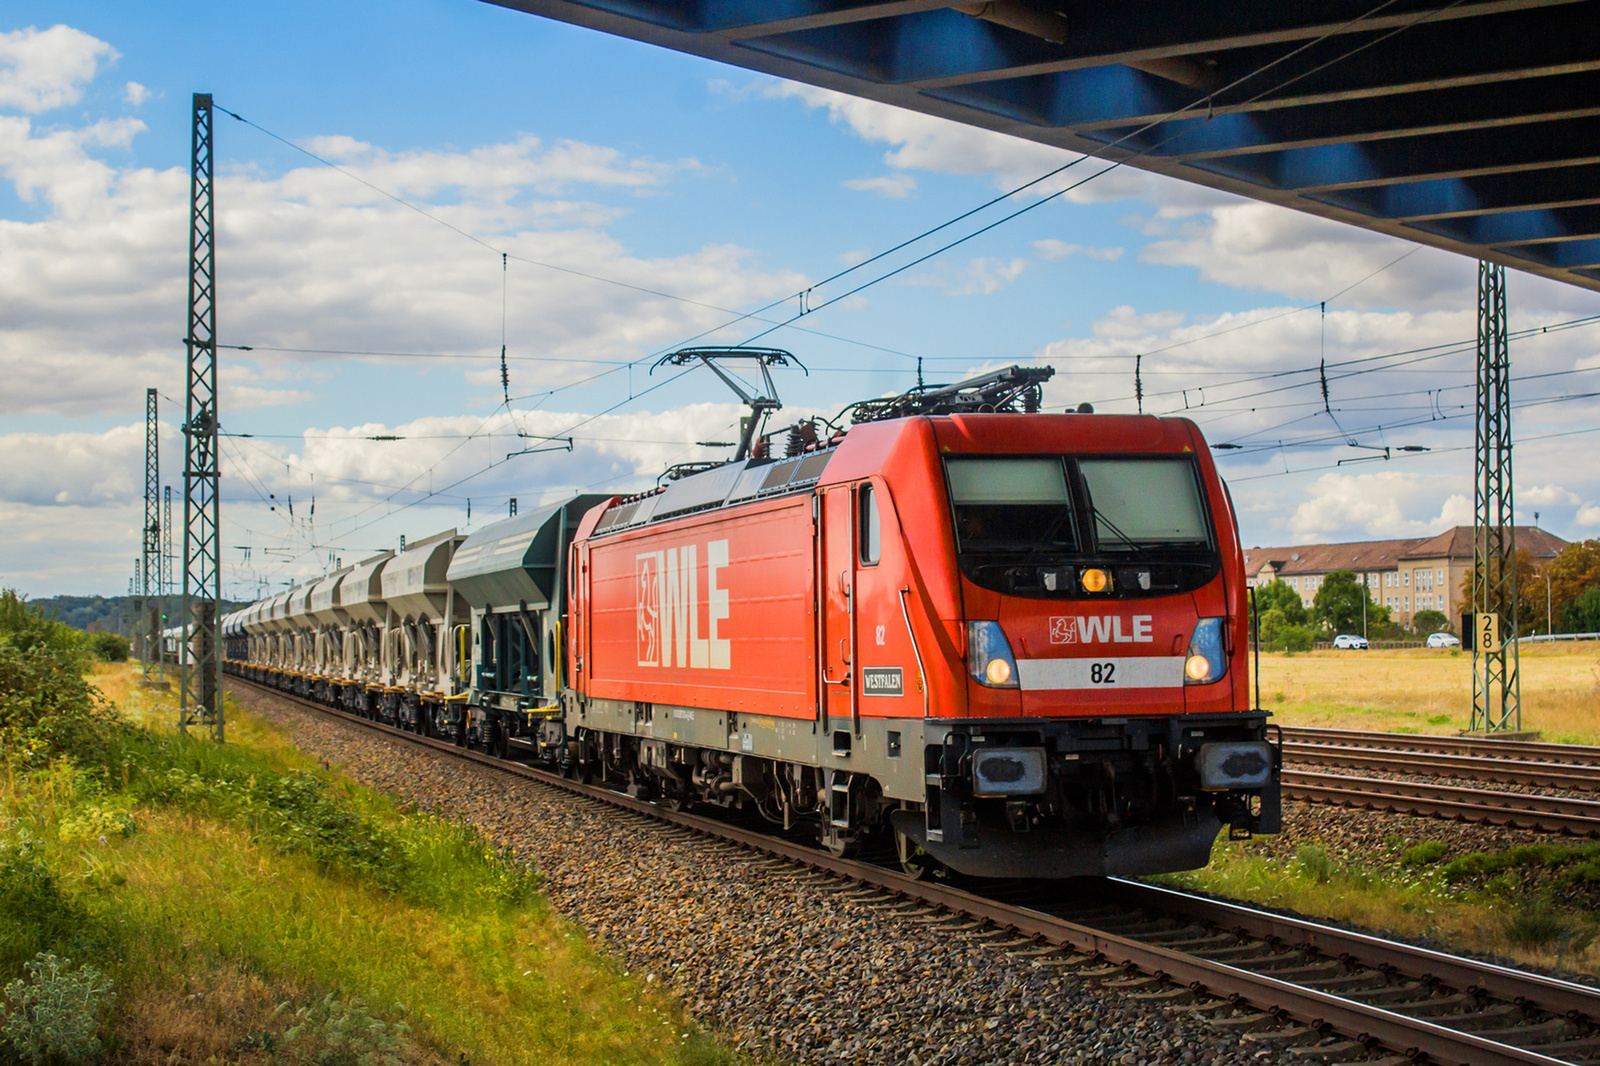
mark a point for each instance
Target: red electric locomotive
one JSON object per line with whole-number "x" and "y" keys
{"x": 1012, "y": 642}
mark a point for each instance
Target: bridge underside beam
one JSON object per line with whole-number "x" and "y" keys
{"x": 1421, "y": 113}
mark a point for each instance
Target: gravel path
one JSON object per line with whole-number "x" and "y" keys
{"x": 776, "y": 962}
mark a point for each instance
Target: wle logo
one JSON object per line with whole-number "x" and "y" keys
{"x": 1101, "y": 629}
{"x": 668, "y": 608}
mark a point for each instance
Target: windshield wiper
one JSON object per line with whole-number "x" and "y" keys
{"x": 1044, "y": 543}
{"x": 1101, "y": 519}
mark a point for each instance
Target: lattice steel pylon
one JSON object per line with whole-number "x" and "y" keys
{"x": 165, "y": 591}
{"x": 150, "y": 558}
{"x": 1496, "y": 684}
{"x": 200, "y": 698}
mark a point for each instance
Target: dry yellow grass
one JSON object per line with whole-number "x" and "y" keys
{"x": 1430, "y": 691}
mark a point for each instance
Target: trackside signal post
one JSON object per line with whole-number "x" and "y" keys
{"x": 1496, "y": 686}
{"x": 200, "y": 654}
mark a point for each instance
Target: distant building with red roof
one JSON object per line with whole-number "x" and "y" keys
{"x": 1406, "y": 576}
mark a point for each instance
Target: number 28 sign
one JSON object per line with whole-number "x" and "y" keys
{"x": 1486, "y": 632}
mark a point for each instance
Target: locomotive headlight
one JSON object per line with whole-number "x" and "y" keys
{"x": 989, "y": 658}
{"x": 1206, "y": 662}
{"x": 1095, "y": 579}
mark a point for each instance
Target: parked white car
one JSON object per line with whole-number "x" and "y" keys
{"x": 1350, "y": 640}
{"x": 1442, "y": 639}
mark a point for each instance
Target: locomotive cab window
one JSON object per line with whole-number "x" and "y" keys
{"x": 1145, "y": 501}
{"x": 869, "y": 529}
{"x": 1004, "y": 504}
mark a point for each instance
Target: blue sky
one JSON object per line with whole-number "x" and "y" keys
{"x": 665, "y": 172}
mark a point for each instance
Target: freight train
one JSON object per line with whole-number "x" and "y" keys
{"x": 1000, "y": 641}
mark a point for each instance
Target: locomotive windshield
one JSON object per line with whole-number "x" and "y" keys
{"x": 1028, "y": 524}
{"x": 1144, "y": 501}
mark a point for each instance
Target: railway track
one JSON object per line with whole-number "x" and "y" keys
{"x": 1516, "y": 810}
{"x": 1566, "y": 776}
{"x": 1523, "y": 764}
{"x": 1325, "y": 994}
{"x": 1582, "y": 761}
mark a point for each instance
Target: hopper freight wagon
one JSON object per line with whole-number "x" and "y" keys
{"x": 1005, "y": 642}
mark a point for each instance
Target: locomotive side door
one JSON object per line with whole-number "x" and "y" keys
{"x": 837, "y": 582}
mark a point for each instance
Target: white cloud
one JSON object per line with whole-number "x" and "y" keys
{"x": 74, "y": 469}
{"x": 1589, "y": 515}
{"x": 135, "y": 94}
{"x": 981, "y": 276}
{"x": 1546, "y": 495}
{"x": 1457, "y": 511}
{"x": 1054, "y": 249}
{"x": 45, "y": 69}
{"x": 925, "y": 142}
{"x": 52, "y": 549}
{"x": 1377, "y": 505}
{"x": 1124, "y": 323}
{"x": 892, "y": 186}
{"x": 95, "y": 290}
{"x": 501, "y": 170}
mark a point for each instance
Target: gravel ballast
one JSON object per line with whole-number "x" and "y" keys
{"x": 775, "y": 960}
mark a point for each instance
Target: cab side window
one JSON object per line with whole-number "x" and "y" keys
{"x": 869, "y": 529}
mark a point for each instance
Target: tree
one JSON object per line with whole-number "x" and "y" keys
{"x": 110, "y": 647}
{"x": 1279, "y": 596}
{"x": 1574, "y": 571}
{"x": 1530, "y": 592}
{"x": 1279, "y": 634}
{"x": 1338, "y": 605}
{"x": 1582, "y": 615}
{"x": 1429, "y": 621}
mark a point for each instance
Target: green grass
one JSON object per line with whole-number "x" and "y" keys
{"x": 1535, "y": 904}
{"x": 227, "y": 888}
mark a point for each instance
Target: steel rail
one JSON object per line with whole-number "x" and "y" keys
{"x": 1551, "y": 814}
{"x": 1444, "y": 764}
{"x": 1539, "y": 751}
{"x": 1563, "y": 998}
{"x": 1414, "y": 1037}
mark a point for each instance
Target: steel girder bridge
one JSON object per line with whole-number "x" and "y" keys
{"x": 1472, "y": 126}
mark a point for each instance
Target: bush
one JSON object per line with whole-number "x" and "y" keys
{"x": 47, "y": 706}
{"x": 330, "y": 1032}
{"x": 1314, "y": 862}
{"x": 110, "y": 647}
{"x": 1426, "y": 622}
{"x": 26, "y": 627}
{"x": 54, "y": 1017}
{"x": 1488, "y": 863}
{"x": 1425, "y": 854}
{"x": 1292, "y": 638}
{"x": 1538, "y": 924}
{"x": 1280, "y": 633}
{"x": 36, "y": 915}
